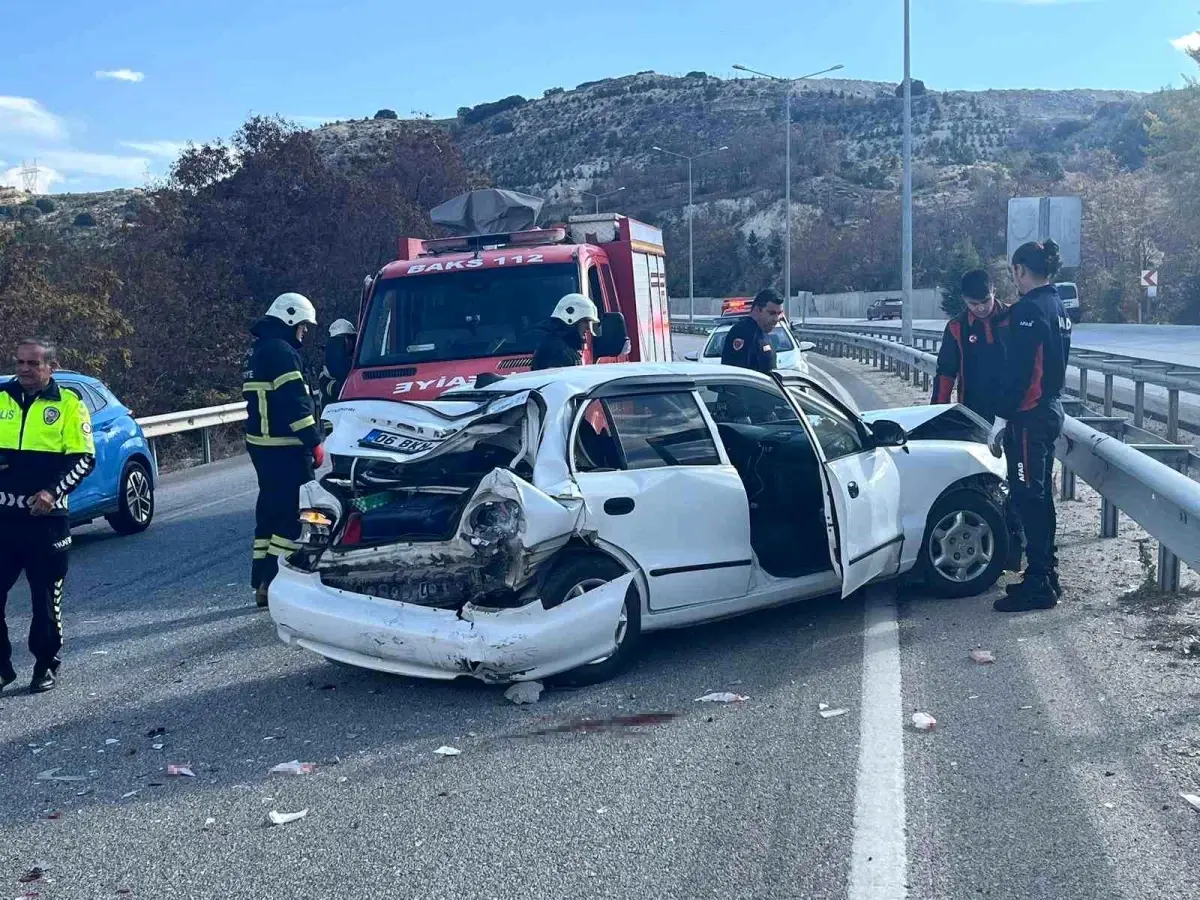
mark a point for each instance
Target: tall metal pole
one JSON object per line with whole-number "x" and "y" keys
{"x": 597, "y": 206}
{"x": 787, "y": 205}
{"x": 691, "y": 269}
{"x": 906, "y": 335}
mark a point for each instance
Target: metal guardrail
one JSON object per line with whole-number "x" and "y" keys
{"x": 192, "y": 420}
{"x": 1145, "y": 480}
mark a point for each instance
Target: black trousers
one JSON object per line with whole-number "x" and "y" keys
{"x": 37, "y": 546}
{"x": 281, "y": 471}
{"x": 1029, "y": 448}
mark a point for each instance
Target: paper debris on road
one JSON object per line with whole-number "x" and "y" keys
{"x": 1026, "y": 707}
{"x": 722, "y": 697}
{"x": 524, "y": 692}
{"x": 52, "y": 775}
{"x": 923, "y": 721}
{"x": 129, "y": 794}
{"x": 833, "y": 713}
{"x": 983, "y": 657}
{"x": 295, "y": 767}
{"x": 447, "y": 751}
{"x": 184, "y": 771}
{"x": 1193, "y": 800}
{"x": 278, "y": 818}
{"x": 209, "y": 823}
{"x": 110, "y": 742}
{"x": 156, "y": 746}
{"x": 822, "y": 706}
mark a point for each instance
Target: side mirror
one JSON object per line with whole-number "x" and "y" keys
{"x": 694, "y": 356}
{"x": 888, "y": 433}
{"x": 805, "y": 346}
{"x": 612, "y": 336}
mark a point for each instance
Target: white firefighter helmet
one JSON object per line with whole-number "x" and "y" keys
{"x": 340, "y": 327}
{"x": 574, "y": 307}
{"x": 292, "y": 309}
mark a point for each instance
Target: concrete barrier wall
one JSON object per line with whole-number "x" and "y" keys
{"x": 850, "y": 305}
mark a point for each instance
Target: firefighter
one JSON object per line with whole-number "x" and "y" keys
{"x": 563, "y": 335}
{"x": 339, "y": 354}
{"x": 46, "y": 450}
{"x": 1029, "y": 418}
{"x": 748, "y": 342}
{"x": 281, "y": 432}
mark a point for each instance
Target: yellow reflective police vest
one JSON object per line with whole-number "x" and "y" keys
{"x": 45, "y": 445}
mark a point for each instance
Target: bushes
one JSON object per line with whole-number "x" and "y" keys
{"x": 85, "y": 220}
{"x": 503, "y": 126}
{"x": 472, "y": 115}
{"x": 386, "y": 114}
{"x": 45, "y": 204}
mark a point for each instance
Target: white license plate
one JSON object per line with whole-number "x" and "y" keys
{"x": 397, "y": 443}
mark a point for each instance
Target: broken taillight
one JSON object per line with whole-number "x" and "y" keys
{"x": 352, "y": 533}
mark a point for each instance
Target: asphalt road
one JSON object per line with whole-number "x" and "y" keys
{"x": 758, "y": 799}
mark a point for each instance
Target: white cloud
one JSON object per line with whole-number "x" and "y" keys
{"x": 1189, "y": 42}
{"x": 165, "y": 149}
{"x": 131, "y": 168}
{"x": 122, "y": 75}
{"x": 24, "y": 117}
{"x": 46, "y": 178}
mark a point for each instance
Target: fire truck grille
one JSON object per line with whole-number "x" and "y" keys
{"x": 372, "y": 374}
{"x": 516, "y": 363}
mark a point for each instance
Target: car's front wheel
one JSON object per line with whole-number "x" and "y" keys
{"x": 575, "y": 575}
{"x": 965, "y": 546}
{"x": 135, "y": 501}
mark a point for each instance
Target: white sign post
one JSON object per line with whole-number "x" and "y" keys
{"x": 1042, "y": 218}
{"x": 1150, "y": 283}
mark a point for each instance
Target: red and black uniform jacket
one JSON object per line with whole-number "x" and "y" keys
{"x": 1037, "y": 339}
{"x": 973, "y": 357}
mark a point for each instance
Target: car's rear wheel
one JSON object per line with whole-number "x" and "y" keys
{"x": 965, "y": 546}
{"x": 135, "y": 501}
{"x": 575, "y": 575}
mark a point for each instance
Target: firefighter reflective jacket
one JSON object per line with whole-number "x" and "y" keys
{"x": 279, "y": 407}
{"x": 45, "y": 445}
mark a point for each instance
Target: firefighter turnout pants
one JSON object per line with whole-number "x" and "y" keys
{"x": 1029, "y": 449}
{"x": 37, "y": 546}
{"x": 281, "y": 471}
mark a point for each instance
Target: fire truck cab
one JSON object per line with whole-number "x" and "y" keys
{"x": 448, "y": 310}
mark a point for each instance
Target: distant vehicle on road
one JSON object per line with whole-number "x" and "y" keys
{"x": 891, "y": 308}
{"x": 1069, "y": 293}
{"x": 121, "y": 487}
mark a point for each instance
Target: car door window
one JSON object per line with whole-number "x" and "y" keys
{"x": 667, "y": 429}
{"x": 744, "y": 404}
{"x": 596, "y": 448}
{"x": 83, "y": 394}
{"x": 837, "y": 434}
{"x": 95, "y": 399}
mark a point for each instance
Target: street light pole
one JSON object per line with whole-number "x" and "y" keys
{"x": 906, "y": 318}
{"x": 599, "y": 197}
{"x": 691, "y": 266}
{"x": 787, "y": 178}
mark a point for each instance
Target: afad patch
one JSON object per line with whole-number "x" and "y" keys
{"x": 738, "y": 343}
{"x": 51, "y": 414}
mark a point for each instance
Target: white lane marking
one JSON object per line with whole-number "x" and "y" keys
{"x": 182, "y": 513}
{"x": 879, "y": 854}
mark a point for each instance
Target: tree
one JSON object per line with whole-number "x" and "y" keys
{"x": 386, "y": 114}
{"x": 45, "y": 204}
{"x": 85, "y": 220}
{"x": 963, "y": 258}
{"x": 918, "y": 88}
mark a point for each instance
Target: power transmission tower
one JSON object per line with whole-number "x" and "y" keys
{"x": 29, "y": 176}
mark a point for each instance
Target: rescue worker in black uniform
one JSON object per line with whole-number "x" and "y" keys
{"x": 281, "y": 433}
{"x": 1029, "y": 418}
{"x": 748, "y": 343}
{"x": 564, "y": 334}
{"x": 339, "y": 355}
{"x": 46, "y": 450}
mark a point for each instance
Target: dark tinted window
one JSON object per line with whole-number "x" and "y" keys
{"x": 89, "y": 398}
{"x": 743, "y": 404}
{"x": 662, "y": 430}
{"x": 1067, "y": 292}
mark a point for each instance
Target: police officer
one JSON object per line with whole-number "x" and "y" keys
{"x": 1029, "y": 417}
{"x": 281, "y": 432}
{"x": 748, "y": 343}
{"x": 46, "y": 450}
{"x": 563, "y": 335}
{"x": 339, "y": 354}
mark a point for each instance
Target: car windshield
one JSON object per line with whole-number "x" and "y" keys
{"x": 462, "y": 315}
{"x": 781, "y": 341}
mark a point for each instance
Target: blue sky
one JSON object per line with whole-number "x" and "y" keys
{"x": 103, "y": 92}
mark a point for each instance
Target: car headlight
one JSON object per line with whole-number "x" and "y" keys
{"x": 495, "y": 520}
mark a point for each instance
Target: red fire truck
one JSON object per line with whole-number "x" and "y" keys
{"x": 450, "y": 309}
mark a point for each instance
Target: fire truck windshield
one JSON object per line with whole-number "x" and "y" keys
{"x": 462, "y": 315}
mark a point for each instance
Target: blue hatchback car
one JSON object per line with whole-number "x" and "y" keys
{"x": 121, "y": 487}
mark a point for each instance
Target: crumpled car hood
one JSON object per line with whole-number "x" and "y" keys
{"x": 943, "y": 421}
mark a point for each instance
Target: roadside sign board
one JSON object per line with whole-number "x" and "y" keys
{"x": 1042, "y": 218}
{"x": 1149, "y": 278}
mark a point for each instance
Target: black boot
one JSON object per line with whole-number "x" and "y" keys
{"x": 43, "y": 680}
{"x": 1018, "y": 587}
{"x": 7, "y": 677}
{"x": 1035, "y": 592}
{"x": 260, "y": 597}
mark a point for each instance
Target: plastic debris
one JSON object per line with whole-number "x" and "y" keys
{"x": 295, "y": 767}
{"x": 1193, "y": 800}
{"x": 209, "y": 823}
{"x": 524, "y": 692}
{"x": 923, "y": 721}
{"x": 447, "y": 751}
{"x": 721, "y": 697}
{"x": 833, "y": 713}
{"x": 1026, "y": 707}
{"x": 156, "y": 746}
{"x": 983, "y": 657}
{"x": 1109, "y": 806}
{"x": 110, "y": 742}
{"x": 52, "y": 775}
{"x": 180, "y": 771}
{"x": 34, "y": 874}
{"x": 277, "y": 818}
{"x": 822, "y": 706}
{"x": 129, "y": 794}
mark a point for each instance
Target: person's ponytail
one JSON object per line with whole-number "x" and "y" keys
{"x": 1041, "y": 258}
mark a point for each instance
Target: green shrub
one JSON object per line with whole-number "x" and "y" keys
{"x": 85, "y": 220}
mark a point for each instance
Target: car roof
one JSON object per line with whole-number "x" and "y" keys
{"x": 66, "y": 375}
{"x": 577, "y": 380}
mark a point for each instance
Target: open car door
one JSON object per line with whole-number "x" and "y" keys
{"x": 863, "y": 481}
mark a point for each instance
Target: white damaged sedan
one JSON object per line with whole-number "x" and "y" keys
{"x": 539, "y": 527}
